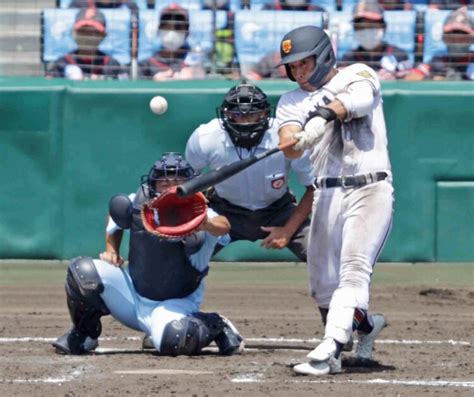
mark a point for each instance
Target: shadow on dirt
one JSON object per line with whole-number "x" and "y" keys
{"x": 354, "y": 365}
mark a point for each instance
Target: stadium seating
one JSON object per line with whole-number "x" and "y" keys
{"x": 401, "y": 26}
{"x": 57, "y": 39}
{"x": 200, "y": 30}
{"x": 141, "y": 4}
{"x": 433, "y": 44}
{"x": 328, "y": 5}
{"x": 190, "y": 5}
{"x": 258, "y": 33}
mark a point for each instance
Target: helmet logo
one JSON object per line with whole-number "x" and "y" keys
{"x": 286, "y": 46}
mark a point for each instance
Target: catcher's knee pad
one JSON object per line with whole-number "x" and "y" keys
{"x": 83, "y": 289}
{"x": 186, "y": 336}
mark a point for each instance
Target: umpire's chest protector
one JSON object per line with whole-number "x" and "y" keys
{"x": 160, "y": 269}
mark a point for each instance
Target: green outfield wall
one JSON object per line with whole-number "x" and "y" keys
{"x": 67, "y": 147}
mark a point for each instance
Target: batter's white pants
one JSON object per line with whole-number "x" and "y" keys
{"x": 348, "y": 230}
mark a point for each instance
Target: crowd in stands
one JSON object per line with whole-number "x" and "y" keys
{"x": 173, "y": 54}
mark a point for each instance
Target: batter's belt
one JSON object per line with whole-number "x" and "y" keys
{"x": 350, "y": 181}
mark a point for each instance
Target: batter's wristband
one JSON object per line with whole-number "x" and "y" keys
{"x": 325, "y": 113}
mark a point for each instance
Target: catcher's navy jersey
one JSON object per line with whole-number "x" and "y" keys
{"x": 200, "y": 259}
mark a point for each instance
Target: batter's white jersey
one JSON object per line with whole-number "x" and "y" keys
{"x": 259, "y": 185}
{"x": 357, "y": 146}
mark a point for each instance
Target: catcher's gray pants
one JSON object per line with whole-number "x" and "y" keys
{"x": 246, "y": 224}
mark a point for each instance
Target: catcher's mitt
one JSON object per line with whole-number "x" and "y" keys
{"x": 170, "y": 216}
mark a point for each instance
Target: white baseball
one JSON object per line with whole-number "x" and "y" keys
{"x": 158, "y": 104}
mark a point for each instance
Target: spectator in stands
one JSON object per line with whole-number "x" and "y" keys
{"x": 388, "y": 60}
{"x": 225, "y": 57}
{"x": 451, "y": 5}
{"x": 217, "y": 4}
{"x": 394, "y": 5}
{"x": 105, "y": 4}
{"x": 88, "y": 62}
{"x": 174, "y": 59}
{"x": 457, "y": 63}
{"x": 293, "y": 5}
{"x": 266, "y": 68}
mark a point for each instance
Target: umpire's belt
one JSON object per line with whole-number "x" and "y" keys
{"x": 350, "y": 181}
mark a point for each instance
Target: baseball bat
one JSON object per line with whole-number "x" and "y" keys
{"x": 214, "y": 177}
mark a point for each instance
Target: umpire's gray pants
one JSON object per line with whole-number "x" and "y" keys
{"x": 246, "y": 224}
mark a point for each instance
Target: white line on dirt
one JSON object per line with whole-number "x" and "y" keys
{"x": 268, "y": 340}
{"x": 71, "y": 376}
{"x": 381, "y": 341}
{"x": 432, "y": 383}
{"x": 163, "y": 372}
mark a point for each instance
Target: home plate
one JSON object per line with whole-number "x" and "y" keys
{"x": 163, "y": 372}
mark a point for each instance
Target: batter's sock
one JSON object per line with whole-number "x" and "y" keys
{"x": 362, "y": 321}
{"x": 339, "y": 347}
{"x": 324, "y": 314}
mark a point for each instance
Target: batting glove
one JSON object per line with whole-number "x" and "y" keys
{"x": 313, "y": 131}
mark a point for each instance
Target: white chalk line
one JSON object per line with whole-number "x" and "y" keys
{"x": 265, "y": 340}
{"x": 379, "y": 341}
{"x": 417, "y": 382}
{"x": 258, "y": 378}
{"x": 67, "y": 378}
{"x": 163, "y": 372}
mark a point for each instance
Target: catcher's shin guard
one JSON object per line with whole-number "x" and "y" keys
{"x": 86, "y": 307}
{"x": 223, "y": 333}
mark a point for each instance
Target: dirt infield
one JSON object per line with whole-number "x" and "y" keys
{"x": 427, "y": 349}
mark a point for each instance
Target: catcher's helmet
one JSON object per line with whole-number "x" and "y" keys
{"x": 303, "y": 42}
{"x": 172, "y": 166}
{"x": 245, "y": 100}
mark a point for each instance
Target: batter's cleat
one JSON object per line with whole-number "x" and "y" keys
{"x": 349, "y": 345}
{"x": 318, "y": 368}
{"x": 229, "y": 341}
{"x": 147, "y": 342}
{"x": 324, "y": 351}
{"x": 73, "y": 342}
{"x": 323, "y": 360}
{"x": 365, "y": 345}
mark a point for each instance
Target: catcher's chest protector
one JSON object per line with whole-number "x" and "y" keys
{"x": 160, "y": 269}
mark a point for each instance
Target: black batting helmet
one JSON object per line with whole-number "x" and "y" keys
{"x": 241, "y": 100}
{"x": 303, "y": 42}
{"x": 170, "y": 167}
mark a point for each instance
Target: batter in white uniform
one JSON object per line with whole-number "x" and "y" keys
{"x": 338, "y": 116}
{"x": 257, "y": 201}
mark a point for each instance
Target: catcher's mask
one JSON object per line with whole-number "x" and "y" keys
{"x": 303, "y": 42}
{"x": 171, "y": 167}
{"x": 245, "y": 114}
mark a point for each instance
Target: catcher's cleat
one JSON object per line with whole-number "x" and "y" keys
{"x": 147, "y": 342}
{"x": 73, "y": 342}
{"x": 229, "y": 341}
{"x": 366, "y": 342}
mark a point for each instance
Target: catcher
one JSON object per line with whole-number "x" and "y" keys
{"x": 161, "y": 290}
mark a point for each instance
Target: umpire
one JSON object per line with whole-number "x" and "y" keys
{"x": 256, "y": 201}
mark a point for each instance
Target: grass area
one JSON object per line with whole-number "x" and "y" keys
{"x": 458, "y": 274}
